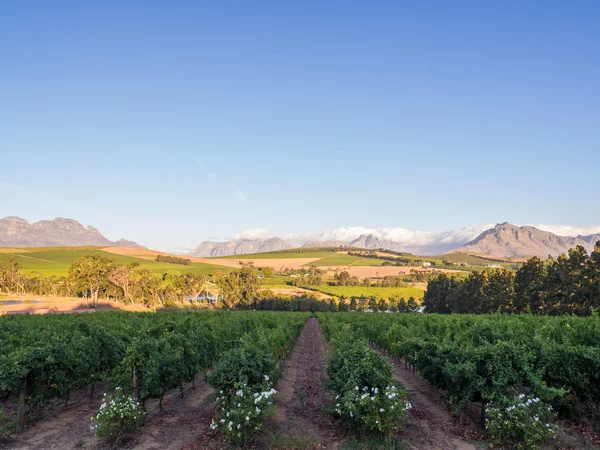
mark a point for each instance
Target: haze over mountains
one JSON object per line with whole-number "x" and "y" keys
{"x": 501, "y": 240}
{"x": 17, "y": 232}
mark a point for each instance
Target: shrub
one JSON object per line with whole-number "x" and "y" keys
{"x": 364, "y": 385}
{"x": 7, "y": 423}
{"x": 119, "y": 414}
{"x": 240, "y": 413}
{"x": 247, "y": 364}
{"x": 376, "y": 410}
{"x": 523, "y": 422}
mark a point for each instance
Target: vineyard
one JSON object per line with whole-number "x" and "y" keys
{"x": 491, "y": 358}
{"x": 47, "y": 357}
{"x": 543, "y": 368}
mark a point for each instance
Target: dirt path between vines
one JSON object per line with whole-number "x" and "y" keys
{"x": 68, "y": 427}
{"x": 301, "y": 420}
{"x": 430, "y": 425}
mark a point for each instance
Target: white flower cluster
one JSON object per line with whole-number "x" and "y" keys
{"x": 242, "y": 412}
{"x": 526, "y": 419}
{"x": 119, "y": 411}
{"x": 376, "y": 408}
{"x": 260, "y": 396}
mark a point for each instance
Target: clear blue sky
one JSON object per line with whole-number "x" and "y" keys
{"x": 169, "y": 122}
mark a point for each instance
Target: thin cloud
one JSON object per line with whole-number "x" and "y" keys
{"x": 252, "y": 233}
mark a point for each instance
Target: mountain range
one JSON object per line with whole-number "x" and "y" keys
{"x": 60, "y": 232}
{"x": 501, "y": 240}
{"x": 508, "y": 240}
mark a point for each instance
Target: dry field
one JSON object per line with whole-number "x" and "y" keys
{"x": 378, "y": 271}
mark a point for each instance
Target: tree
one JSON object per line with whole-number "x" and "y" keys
{"x": 192, "y": 285}
{"x": 90, "y": 275}
{"x": 438, "y": 293}
{"x": 268, "y": 272}
{"x": 529, "y": 286}
{"x": 239, "y": 288}
{"x": 125, "y": 277}
{"x": 412, "y": 304}
{"x": 402, "y": 306}
{"x": 499, "y": 290}
{"x": 11, "y": 278}
{"x": 353, "y": 305}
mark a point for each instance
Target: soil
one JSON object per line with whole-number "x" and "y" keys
{"x": 68, "y": 427}
{"x": 430, "y": 424}
{"x": 378, "y": 271}
{"x": 302, "y": 400}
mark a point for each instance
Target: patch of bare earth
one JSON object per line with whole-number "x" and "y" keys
{"x": 300, "y": 417}
{"x": 430, "y": 424}
{"x": 377, "y": 271}
{"x": 275, "y": 263}
{"x": 68, "y": 427}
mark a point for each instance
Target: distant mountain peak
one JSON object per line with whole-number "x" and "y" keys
{"x": 59, "y": 232}
{"x": 508, "y": 240}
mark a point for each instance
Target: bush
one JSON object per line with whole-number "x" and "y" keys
{"x": 119, "y": 414}
{"x": 7, "y": 423}
{"x": 364, "y": 385}
{"x": 523, "y": 422}
{"x": 245, "y": 365}
{"x": 241, "y": 413}
{"x": 376, "y": 410}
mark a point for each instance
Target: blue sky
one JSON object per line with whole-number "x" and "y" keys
{"x": 172, "y": 122}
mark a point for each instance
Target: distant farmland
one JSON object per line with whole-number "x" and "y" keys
{"x": 360, "y": 291}
{"x": 55, "y": 261}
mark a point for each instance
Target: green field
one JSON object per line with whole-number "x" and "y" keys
{"x": 337, "y": 259}
{"x": 283, "y": 254}
{"x": 55, "y": 261}
{"x": 370, "y": 262}
{"x": 280, "y": 280}
{"x": 360, "y": 291}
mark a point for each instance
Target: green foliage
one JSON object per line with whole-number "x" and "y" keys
{"x": 58, "y": 354}
{"x": 119, "y": 414}
{"x": 363, "y": 382}
{"x": 524, "y": 422}
{"x": 362, "y": 291}
{"x": 173, "y": 260}
{"x": 247, "y": 364}
{"x": 485, "y": 358}
{"x": 7, "y": 423}
{"x": 245, "y": 375}
{"x": 241, "y": 414}
{"x": 566, "y": 285}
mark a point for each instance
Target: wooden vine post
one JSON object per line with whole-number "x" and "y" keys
{"x": 21, "y": 410}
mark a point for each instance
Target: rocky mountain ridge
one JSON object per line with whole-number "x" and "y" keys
{"x": 503, "y": 240}
{"x": 60, "y": 232}
{"x": 509, "y": 240}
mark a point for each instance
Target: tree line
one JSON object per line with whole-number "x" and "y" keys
{"x": 173, "y": 260}
{"x": 569, "y": 284}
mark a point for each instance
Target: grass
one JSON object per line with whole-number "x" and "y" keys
{"x": 276, "y": 280}
{"x": 56, "y": 261}
{"x": 370, "y": 262}
{"x": 360, "y": 291}
{"x": 337, "y": 259}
